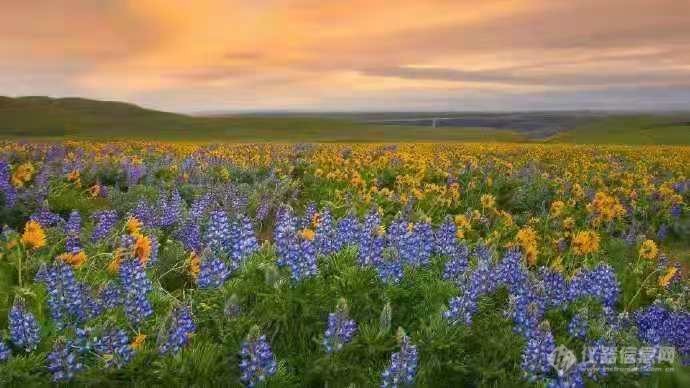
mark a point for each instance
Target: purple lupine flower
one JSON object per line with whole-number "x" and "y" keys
{"x": 535, "y": 355}
{"x": 244, "y": 244}
{"x": 63, "y": 361}
{"x": 213, "y": 273}
{"x": 309, "y": 215}
{"x": 403, "y": 366}
{"x": 371, "y": 241}
{"x": 24, "y": 331}
{"x": 105, "y": 221}
{"x": 46, "y": 218}
{"x": 662, "y": 232}
{"x": 294, "y": 249}
{"x": 526, "y": 309}
{"x": 578, "y": 326}
{"x": 200, "y": 207}
{"x": 5, "y": 351}
{"x": 144, "y": 213}
{"x": 263, "y": 209}
{"x": 114, "y": 347}
{"x": 181, "y": 328}
{"x": 326, "y": 234}
{"x": 217, "y": 236}
{"x": 340, "y": 328}
{"x": 169, "y": 209}
{"x": 483, "y": 280}
{"x": 257, "y": 362}
{"x": 445, "y": 240}
{"x": 657, "y": 325}
{"x": 136, "y": 287}
{"x": 66, "y": 298}
{"x": 554, "y": 287}
{"x": 9, "y": 193}
{"x": 676, "y": 210}
{"x": 348, "y": 232}
{"x": 72, "y": 230}
{"x": 190, "y": 236}
{"x": 111, "y": 296}
{"x": 134, "y": 171}
{"x": 599, "y": 283}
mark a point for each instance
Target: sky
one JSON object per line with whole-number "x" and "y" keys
{"x": 375, "y": 55}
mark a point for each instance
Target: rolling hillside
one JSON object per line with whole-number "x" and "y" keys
{"x": 47, "y": 118}
{"x": 78, "y": 118}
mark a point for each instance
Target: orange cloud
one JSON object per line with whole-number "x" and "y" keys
{"x": 321, "y": 52}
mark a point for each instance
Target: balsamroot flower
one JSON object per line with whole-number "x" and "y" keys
{"x": 585, "y": 242}
{"x": 33, "y": 237}
{"x": 649, "y": 250}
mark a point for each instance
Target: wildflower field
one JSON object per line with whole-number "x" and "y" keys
{"x": 339, "y": 265}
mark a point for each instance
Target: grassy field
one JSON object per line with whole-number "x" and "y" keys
{"x": 44, "y": 118}
{"x": 636, "y": 130}
{"x": 75, "y": 118}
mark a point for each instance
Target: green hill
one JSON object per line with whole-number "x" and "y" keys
{"x": 77, "y": 118}
{"x": 633, "y": 129}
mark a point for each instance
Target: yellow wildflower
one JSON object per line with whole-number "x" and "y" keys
{"x": 585, "y": 242}
{"x": 34, "y": 236}
{"x": 649, "y": 250}
{"x": 138, "y": 341}
{"x": 665, "y": 279}
{"x": 142, "y": 248}
{"x": 488, "y": 201}
{"x": 557, "y": 208}
{"x": 133, "y": 226}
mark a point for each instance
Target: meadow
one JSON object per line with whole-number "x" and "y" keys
{"x": 344, "y": 265}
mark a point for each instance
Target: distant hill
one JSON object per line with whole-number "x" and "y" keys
{"x": 58, "y": 118}
{"x": 78, "y": 118}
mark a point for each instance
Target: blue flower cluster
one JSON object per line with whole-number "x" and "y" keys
{"x": 135, "y": 288}
{"x": 9, "y": 193}
{"x": 340, "y": 329}
{"x": 63, "y": 361}
{"x": 105, "y": 221}
{"x": 578, "y": 326}
{"x": 403, "y": 366}
{"x": 169, "y": 209}
{"x": 482, "y": 281}
{"x": 143, "y": 212}
{"x": 181, "y": 328}
{"x": 114, "y": 348}
{"x": 46, "y": 218}
{"x": 24, "y": 331}
{"x": 257, "y": 361}
{"x": 110, "y": 296}
{"x": 413, "y": 242}
{"x": 212, "y": 273}
{"x": 658, "y": 325}
{"x": 5, "y": 351}
{"x": 67, "y": 298}
{"x": 535, "y": 356}
{"x": 72, "y": 230}
{"x": 296, "y": 251}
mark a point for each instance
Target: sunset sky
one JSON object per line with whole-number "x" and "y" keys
{"x": 342, "y": 55}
